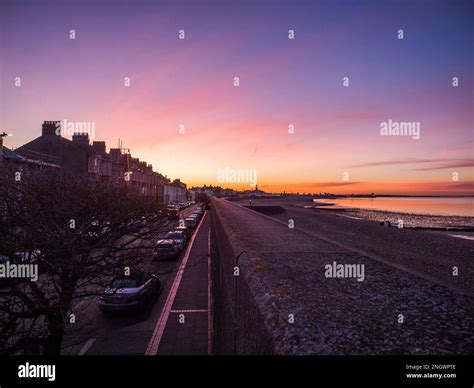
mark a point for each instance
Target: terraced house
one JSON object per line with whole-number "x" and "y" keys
{"x": 83, "y": 157}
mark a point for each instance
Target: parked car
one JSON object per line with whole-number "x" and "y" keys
{"x": 165, "y": 249}
{"x": 184, "y": 229}
{"x": 30, "y": 257}
{"x": 191, "y": 222}
{"x": 127, "y": 293}
{"x": 95, "y": 229}
{"x": 179, "y": 237}
{"x": 173, "y": 214}
{"x": 152, "y": 217}
{"x": 196, "y": 215}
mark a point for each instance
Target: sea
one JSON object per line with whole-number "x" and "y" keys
{"x": 441, "y": 206}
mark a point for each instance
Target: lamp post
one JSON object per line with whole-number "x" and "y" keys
{"x": 2, "y": 135}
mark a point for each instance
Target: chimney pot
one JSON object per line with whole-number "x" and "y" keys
{"x": 80, "y": 138}
{"x": 49, "y": 128}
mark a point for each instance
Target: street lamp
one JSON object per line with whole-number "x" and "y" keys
{"x": 2, "y": 135}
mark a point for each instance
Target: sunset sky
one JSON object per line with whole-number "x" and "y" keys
{"x": 282, "y": 82}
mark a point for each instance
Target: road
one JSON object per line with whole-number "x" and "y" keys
{"x": 131, "y": 333}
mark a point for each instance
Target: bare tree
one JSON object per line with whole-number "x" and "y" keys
{"x": 80, "y": 233}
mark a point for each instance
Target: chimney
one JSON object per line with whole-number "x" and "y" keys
{"x": 81, "y": 139}
{"x": 49, "y": 128}
{"x": 116, "y": 154}
{"x": 99, "y": 146}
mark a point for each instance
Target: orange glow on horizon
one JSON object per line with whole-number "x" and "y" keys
{"x": 384, "y": 188}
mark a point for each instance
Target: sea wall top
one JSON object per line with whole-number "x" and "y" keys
{"x": 307, "y": 311}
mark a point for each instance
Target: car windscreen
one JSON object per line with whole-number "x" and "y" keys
{"x": 125, "y": 283}
{"x": 174, "y": 235}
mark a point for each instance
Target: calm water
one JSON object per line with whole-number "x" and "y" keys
{"x": 446, "y": 206}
